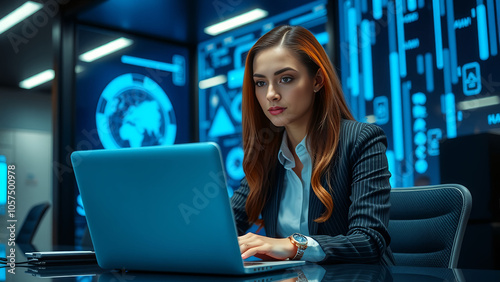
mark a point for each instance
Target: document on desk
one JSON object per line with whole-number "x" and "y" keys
{"x": 61, "y": 257}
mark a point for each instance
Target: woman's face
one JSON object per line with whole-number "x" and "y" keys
{"x": 284, "y": 88}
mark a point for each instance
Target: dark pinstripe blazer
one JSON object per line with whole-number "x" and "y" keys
{"x": 357, "y": 230}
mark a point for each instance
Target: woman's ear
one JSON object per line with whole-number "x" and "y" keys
{"x": 319, "y": 80}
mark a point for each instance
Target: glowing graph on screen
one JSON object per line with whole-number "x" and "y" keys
{"x": 436, "y": 75}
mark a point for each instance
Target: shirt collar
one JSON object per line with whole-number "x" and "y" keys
{"x": 285, "y": 156}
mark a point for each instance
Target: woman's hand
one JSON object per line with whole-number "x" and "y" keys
{"x": 266, "y": 248}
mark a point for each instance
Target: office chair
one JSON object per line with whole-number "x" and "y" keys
{"x": 427, "y": 224}
{"x": 31, "y": 223}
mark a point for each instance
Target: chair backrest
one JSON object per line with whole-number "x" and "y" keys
{"x": 31, "y": 222}
{"x": 427, "y": 224}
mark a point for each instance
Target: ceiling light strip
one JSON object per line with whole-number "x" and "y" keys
{"x": 106, "y": 49}
{"x": 37, "y": 79}
{"x": 213, "y": 81}
{"x": 235, "y": 22}
{"x": 18, "y": 15}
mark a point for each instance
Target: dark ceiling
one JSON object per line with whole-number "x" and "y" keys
{"x": 26, "y": 49}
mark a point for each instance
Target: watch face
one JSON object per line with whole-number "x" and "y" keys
{"x": 301, "y": 239}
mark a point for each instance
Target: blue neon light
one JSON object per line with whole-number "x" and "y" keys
{"x": 353, "y": 51}
{"x": 235, "y": 78}
{"x": 471, "y": 79}
{"x": 377, "y": 9}
{"x": 3, "y": 270}
{"x": 482, "y": 32}
{"x": 408, "y": 178}
{"x": 401, "y": 38}
{"x": 308, "y": 17}
{"x": 451, "y": 121}
{"x": 366, "y": 57}
{"x": 391, "y": 27}
{"x": 420, "y": 64}
{"x": 446, "y": 71}
{"x": 397, "y": 116}
{"x": 392, "y": 167}
{"x": 498, "y": 15}
{"x": 364, "y": 6}
{"x": 412, "y": 5}
{"x": 492, "y": 28}
{"x": 357, "y": 7}
{"x": 3, "y": 184}
{"x": 429, "y": 73}
{"x": 322, "y": 38}
{"x": 452, "y": 41}
{"x": 140, "y": 62}
{"x": 437, "y": 33}
{"x": 373, "y": 38}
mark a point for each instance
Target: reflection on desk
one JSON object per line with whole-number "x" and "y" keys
{"x": 309, "y": 272}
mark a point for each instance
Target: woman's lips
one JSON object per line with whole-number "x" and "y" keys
{"x": 276, "y": 110}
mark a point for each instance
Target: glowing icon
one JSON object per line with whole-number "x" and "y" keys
{"x": 419, "y": 125}
{"x": 221, "y": 125}
{"x": 134, "y": 111}
{"x": 421, "y": 166}
{"x": 234, "y": 163}
{"x": 381, "y": 109}
{"x": 433, "y": 137}
{"x": 419, "y": 98}
{"x": 471, "y": 79}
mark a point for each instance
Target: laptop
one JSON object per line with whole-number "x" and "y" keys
{"x": 162, "y": 208}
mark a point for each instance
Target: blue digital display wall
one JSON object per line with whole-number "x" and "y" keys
{"x": 222, "y": 59}
{"x": 138, "y": 96}
{"x": 423, "y": 70}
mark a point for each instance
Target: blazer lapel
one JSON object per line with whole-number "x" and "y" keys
{"x": 315, "y": 208}
{"x": 271, "y": 209}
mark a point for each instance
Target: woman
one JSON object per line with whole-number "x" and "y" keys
{"x": 317, "y": 180}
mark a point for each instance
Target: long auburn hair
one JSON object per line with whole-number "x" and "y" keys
{"x": 261, "y": 139}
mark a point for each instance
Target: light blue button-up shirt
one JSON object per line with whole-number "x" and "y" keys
{"x": 294, "y": 207}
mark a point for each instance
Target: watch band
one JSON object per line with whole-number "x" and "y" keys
{"x": 301, "y": 246}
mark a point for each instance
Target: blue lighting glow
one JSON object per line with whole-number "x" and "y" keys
{"x": 429, "y": 73}
{"x": 420, "y": 64}
{"x": 452, "y": 41}
{"x": 397, "y": 116}
{"x": 134, "y": 111}
{"x": 377, "y": 9}
{"x": 401, "y": 38}
{"x": 150, "y": 64}
{"x": 353, "y": 52}
{"x": 437, "y": 33}
{"x": 3, "y": 183}
{"x": 482, "y": 32}
{"x": 451, "y": 121}
{"x": 412, "y": 5}
{"x": 366, "y": 56}
{"x": 392, "y": 167}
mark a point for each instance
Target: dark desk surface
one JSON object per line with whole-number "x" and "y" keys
{"x": 309, "y": 272}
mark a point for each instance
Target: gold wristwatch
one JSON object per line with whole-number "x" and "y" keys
{"x": 300, "y": 241}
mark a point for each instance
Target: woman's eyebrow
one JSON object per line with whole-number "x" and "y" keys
{"x": 276, "y": 73}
